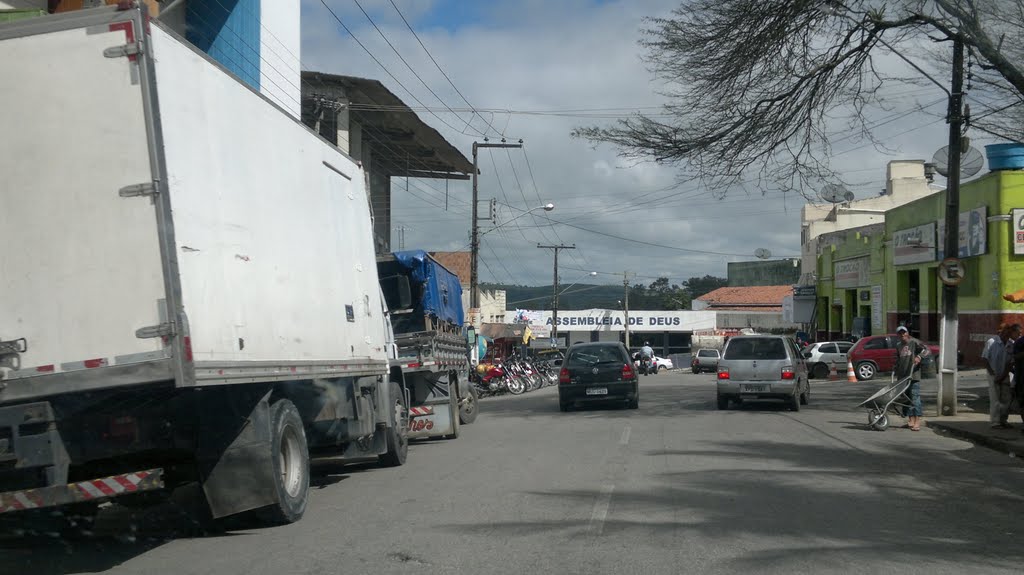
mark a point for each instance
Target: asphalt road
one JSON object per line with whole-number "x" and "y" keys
{"x": 674, "y": 487}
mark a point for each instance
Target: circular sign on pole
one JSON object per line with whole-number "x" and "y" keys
{"x": 951, "y": 271}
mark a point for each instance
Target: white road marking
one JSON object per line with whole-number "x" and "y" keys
{"x": 600, "y": 513}
{"x": 624, "y": 440}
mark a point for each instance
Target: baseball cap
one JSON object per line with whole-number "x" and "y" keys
{"x": 901, "y": 329}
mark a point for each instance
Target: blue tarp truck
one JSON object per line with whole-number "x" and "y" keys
{"x": 424, "y": 301}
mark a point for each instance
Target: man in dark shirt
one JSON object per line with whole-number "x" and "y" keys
{"x": 1018, "y": 369}
{"x": 910, "y": 352}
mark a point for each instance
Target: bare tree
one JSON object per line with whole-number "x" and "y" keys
{"x": 756, "y": 88}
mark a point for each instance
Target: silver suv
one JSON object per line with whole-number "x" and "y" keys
{"x": 755, "y": 367}
{"x": 820, "y": 357}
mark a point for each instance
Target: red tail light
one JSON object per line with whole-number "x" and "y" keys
{"x": 563, "y": 376}
{"x": 788, "y": 373}
{"x": 627, "y": 371}
{"x": 723, "y": 374}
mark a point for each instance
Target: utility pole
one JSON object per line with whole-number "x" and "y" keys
{"x": 950, "y": 320}
{"x": 474, "y": 296}
{"x": 554, "y": 289}
{"x": 625, "y": 306}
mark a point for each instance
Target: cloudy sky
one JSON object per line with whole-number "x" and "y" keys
{"x": 535, "y": 69}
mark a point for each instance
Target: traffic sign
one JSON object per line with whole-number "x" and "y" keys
{"x": 951, "y": 271}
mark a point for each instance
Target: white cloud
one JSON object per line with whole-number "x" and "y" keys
{"x": 533, "y": 55}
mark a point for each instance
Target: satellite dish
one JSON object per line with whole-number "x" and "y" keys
{"x": 848, "y": 196}
{"x": 835, "y": 193}
{"x": 763, "y": 253}
{"x": 971, "y": 161}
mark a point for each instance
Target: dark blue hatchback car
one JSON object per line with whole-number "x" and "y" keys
{"x": 598, "y": 372}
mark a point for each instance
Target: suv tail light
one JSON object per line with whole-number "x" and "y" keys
{"x": 563, "y": 376}
{"x": 788, "y": 373}
{"x": 627, "y": 371}
{"x": 723, "y": 373}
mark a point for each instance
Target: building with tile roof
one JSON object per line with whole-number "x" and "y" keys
{"x": 753, "y": 307}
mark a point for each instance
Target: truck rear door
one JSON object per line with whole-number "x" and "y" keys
{"x": 80, "y": 268}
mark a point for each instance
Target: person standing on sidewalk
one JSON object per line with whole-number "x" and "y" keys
{"x": 998, "y": 355}
{"x": 1018, "y": 369}
{"x": 909, "y": 354}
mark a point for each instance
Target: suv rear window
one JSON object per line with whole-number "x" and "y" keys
{"x": 756, "y": 348}
{"x": 593, "y": 355}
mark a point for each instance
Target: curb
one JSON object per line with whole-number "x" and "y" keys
{"x": 1011, "y": 447}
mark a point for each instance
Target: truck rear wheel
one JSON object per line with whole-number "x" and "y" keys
{"x": 291, "y": 462}
{"x": 398, "y": 434}
{"x": 468, "y": 411}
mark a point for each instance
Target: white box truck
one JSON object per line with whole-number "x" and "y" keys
{"x": 188, "y": 284}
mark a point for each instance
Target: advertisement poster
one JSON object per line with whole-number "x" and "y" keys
{"x": 973, "y": 234}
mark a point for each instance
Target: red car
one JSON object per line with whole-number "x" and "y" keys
{"x": 876, "y": 353}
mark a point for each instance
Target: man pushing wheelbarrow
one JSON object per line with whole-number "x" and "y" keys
{"x": 905, "y": 393}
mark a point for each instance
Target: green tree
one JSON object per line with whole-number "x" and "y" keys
{"x": 758, "y": 89}
{"x": 707, "y": 284}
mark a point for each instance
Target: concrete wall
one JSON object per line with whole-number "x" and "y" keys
{"x": 756, "y": 320}
{"x": 281, "y": 65}
{"x": 764, "y": 273}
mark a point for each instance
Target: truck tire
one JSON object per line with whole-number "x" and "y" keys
{"x": 291, "y": 463}
{"x": 469, "y": 410}
{"x": 397, "y": 435}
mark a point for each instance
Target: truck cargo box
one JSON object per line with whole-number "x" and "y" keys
{"x": 142, "y": 245}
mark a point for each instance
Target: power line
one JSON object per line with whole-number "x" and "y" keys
{"x": 414, "y": 73}
{"x": 439, "y": 69}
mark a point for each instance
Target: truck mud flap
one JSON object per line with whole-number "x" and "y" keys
{"x": 83, "y": 491}
{"x": 428, "y": 421}
{"x": 234, "y": 458}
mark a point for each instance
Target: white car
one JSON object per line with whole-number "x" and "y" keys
{"x": 822, "y": 355}
{"x": 657, "y": 365}
{"x": 662, "y": 363}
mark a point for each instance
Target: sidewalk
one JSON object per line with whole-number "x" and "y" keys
{"x": 971, "y": 421}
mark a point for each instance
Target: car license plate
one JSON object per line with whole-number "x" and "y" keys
{"x": 753, "y": 388}
{"x": 597, "y": 391}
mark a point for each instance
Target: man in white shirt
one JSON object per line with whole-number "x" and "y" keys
{"x": 997, "y": 355}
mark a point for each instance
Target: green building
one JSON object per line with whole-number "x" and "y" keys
{"x": 874, "y": 278}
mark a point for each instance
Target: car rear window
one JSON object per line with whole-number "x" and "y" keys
{"x": 707, "y": 353}
{"x": 594, "y": 355}
{"x": 756, "y": 348}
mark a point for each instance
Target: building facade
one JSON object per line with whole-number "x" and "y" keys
{"x": 873, "y": 279}
{"x": 906, "y": 181}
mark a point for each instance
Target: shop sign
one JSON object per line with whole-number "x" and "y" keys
{"x": 876, "y": 308}
{"x": 973, "y": 234}
{"x": 852, "y": 273}
{"x": 1017, "y": 225}
{"x": 914, "y": 245}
